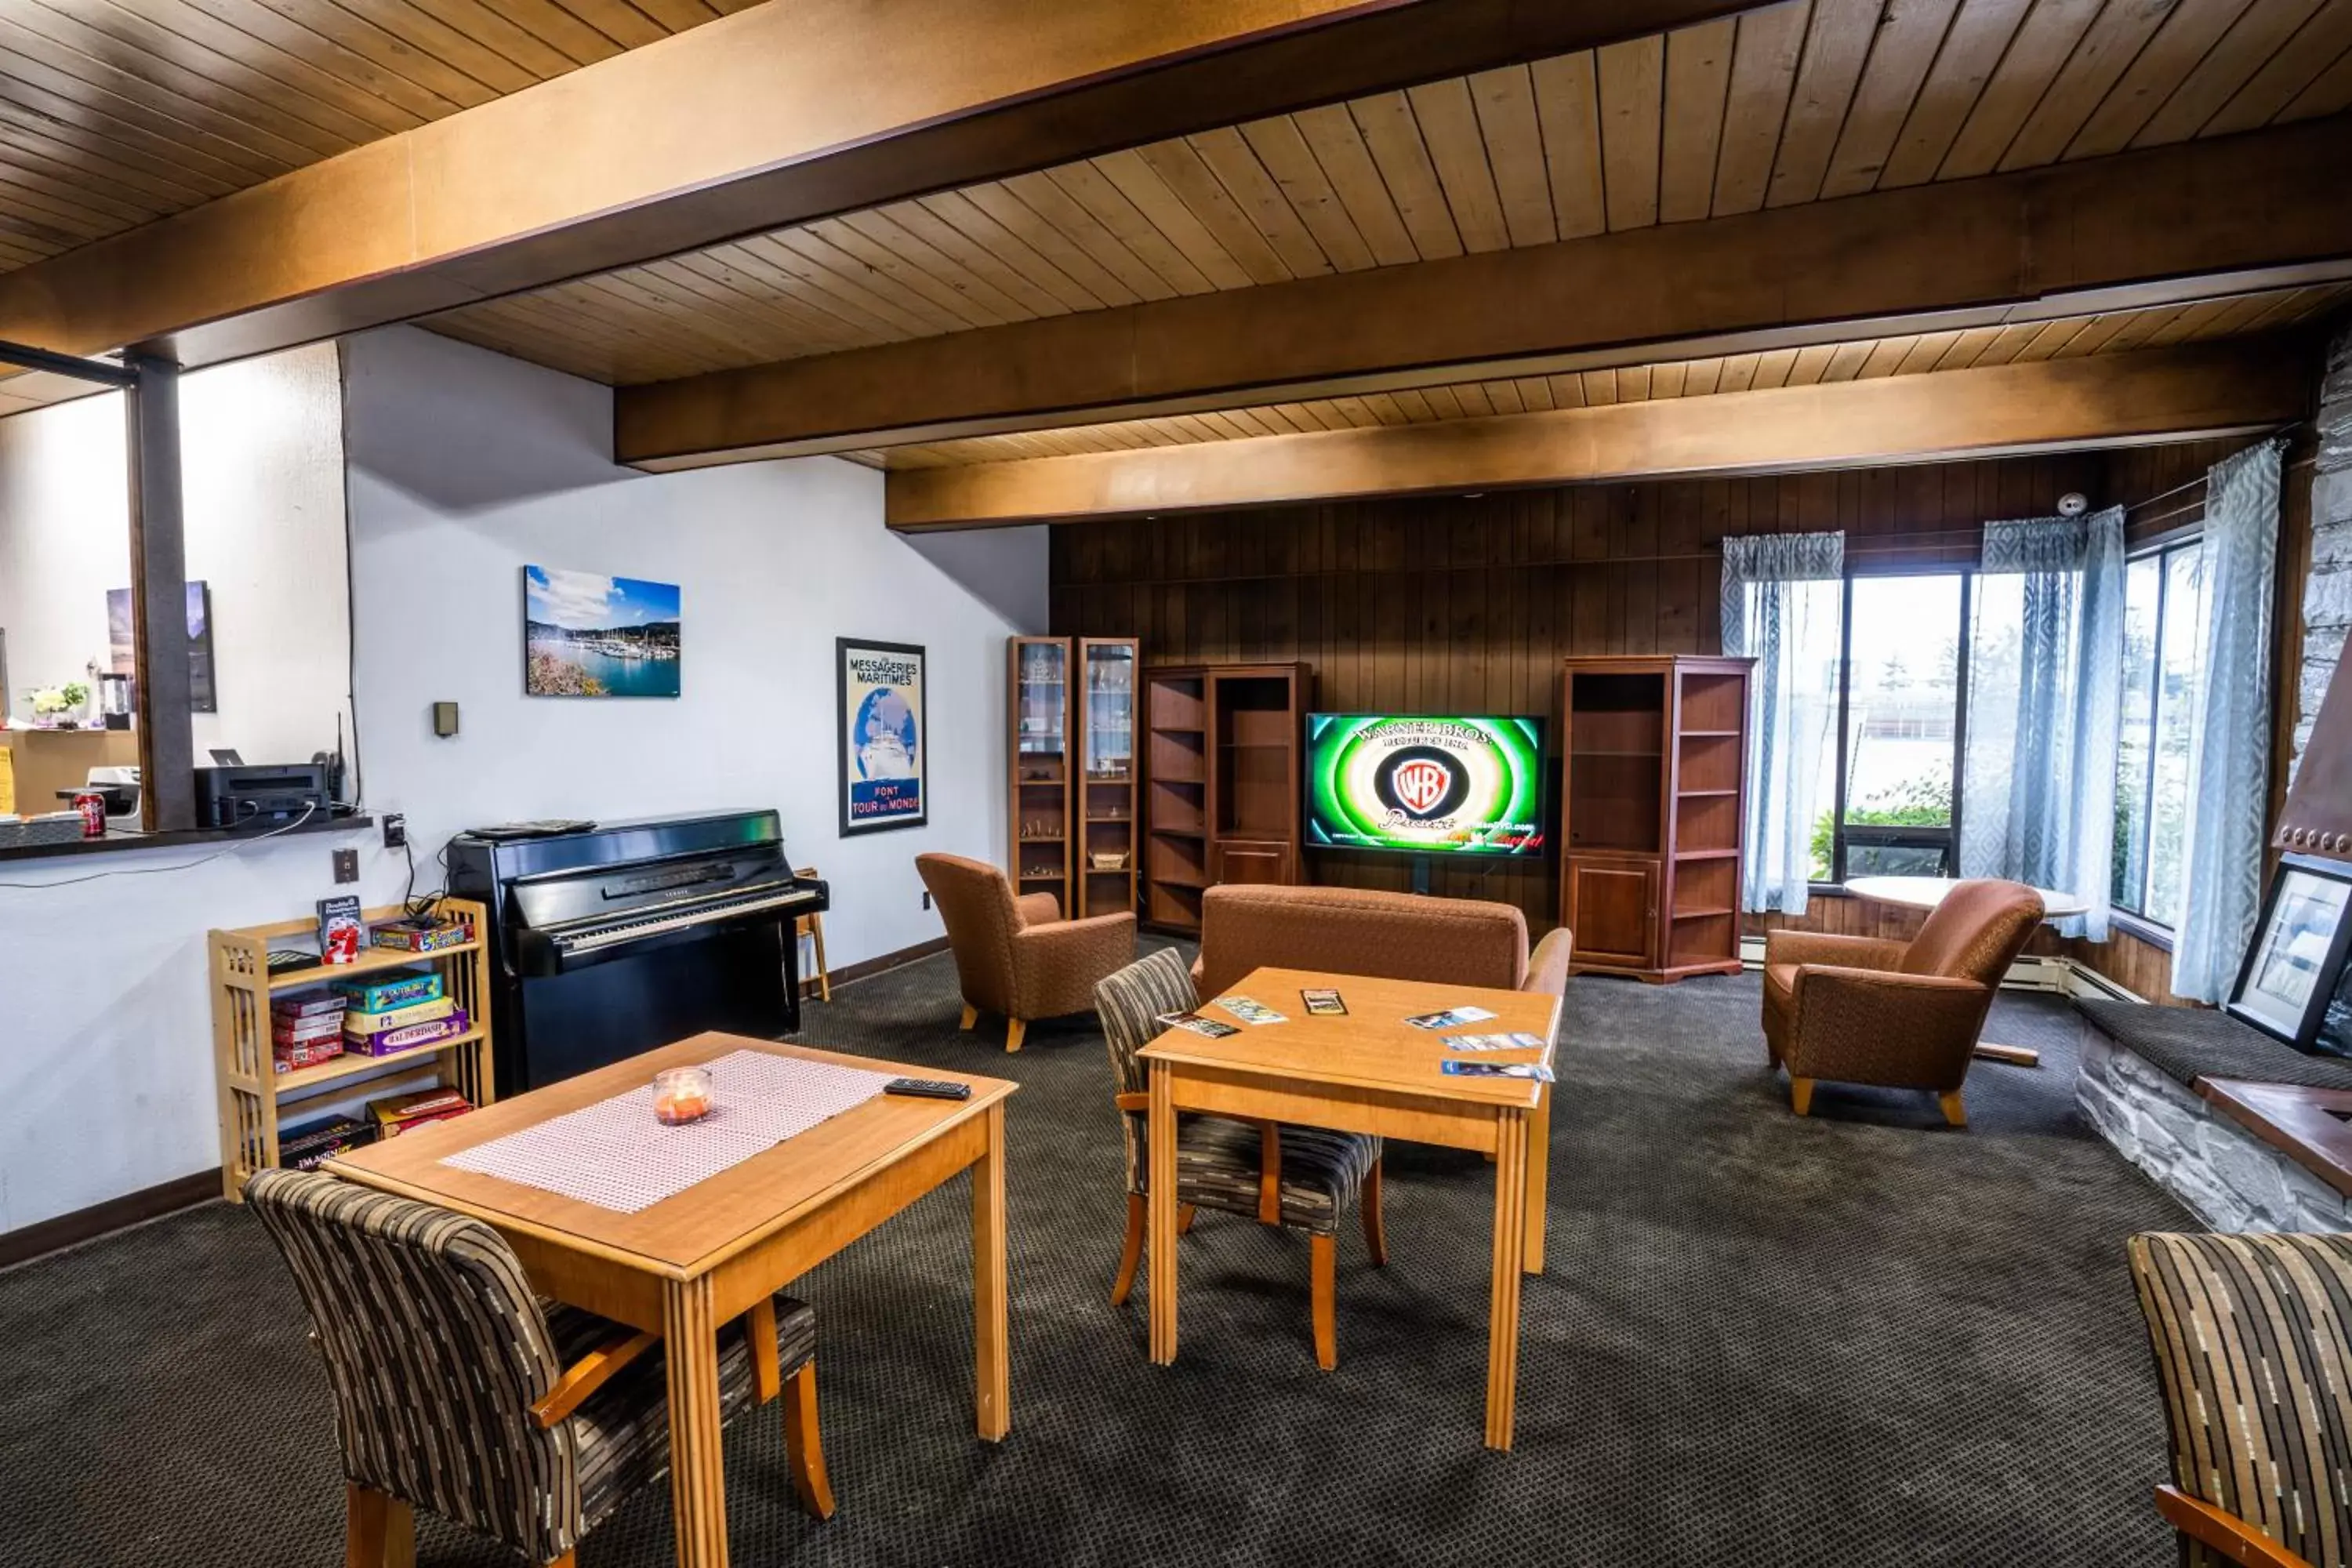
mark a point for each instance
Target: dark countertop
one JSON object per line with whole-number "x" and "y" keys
{"x": 124, "y": 838}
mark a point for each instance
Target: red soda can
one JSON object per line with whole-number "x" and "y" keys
{"x": 92, "y": 807}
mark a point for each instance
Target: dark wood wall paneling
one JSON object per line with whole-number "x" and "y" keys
{"x": 1466, "y": 604}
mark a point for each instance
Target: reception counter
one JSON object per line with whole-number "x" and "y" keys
{"x": 36, "y": 764}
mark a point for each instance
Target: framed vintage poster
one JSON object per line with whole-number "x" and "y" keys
{"x": 882, "y": 746}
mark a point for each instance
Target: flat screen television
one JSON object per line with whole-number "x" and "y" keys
{"x": 1425, "y": 784}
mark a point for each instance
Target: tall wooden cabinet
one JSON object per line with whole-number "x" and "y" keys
{"x": 1652, "y": 755}
{"x": 1103, "y": 836}
{"x": 1222, "y": 782}
{"x": 1072, "y": 708}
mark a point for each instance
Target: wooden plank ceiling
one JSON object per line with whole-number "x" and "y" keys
{"x": 1801, "y": 101}
{"x": 1862, "y": 360}
{"x": 116, "y": 113}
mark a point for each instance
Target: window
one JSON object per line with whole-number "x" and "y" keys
{"x": 1892, "y": 813}
{"x": 2164, "y": 659}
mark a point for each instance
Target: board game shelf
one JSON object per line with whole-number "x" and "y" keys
{"x": 252, "y": 1091}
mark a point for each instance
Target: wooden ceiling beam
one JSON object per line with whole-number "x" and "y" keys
{"x": 2164, "y": 226}
{"x": 2157, "y": 394}
{"x": 785, "y": 112}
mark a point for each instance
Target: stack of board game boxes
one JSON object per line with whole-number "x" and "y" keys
{"x": 376, "y": 1018}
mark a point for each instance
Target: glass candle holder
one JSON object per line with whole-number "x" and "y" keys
{"x": 682, "y": 1095}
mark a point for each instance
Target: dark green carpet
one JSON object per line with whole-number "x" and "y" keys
{"x": 1858, "y": 1338}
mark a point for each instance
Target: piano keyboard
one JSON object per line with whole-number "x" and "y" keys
{"x": 679, "y": 919}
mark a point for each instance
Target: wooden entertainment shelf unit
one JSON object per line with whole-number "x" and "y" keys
{"x": 1222, "y": 782}
{"x": 1651, "y": 813}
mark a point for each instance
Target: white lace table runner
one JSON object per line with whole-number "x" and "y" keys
{"x": 615, "y": 1154}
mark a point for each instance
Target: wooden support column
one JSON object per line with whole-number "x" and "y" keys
{"x": 159, "y": 597}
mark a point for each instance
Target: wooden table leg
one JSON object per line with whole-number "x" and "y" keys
{"x": 1539, "y": 1179}
{"x": 1510, "y": 1260}
{"x": 698, "y": 1482}
{"x": 1161, "y": 1133}
{"x": 991, "y": 1326}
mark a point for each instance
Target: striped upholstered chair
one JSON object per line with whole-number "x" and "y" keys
{"x": 1302, "y": 1177}
{"x": 457, "y": 1390}
{"x": 2251, "y": 1341}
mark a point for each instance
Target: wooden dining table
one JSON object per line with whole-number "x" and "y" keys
{"x": 706, "y": 1256}
{"x": 1369, "y": 1071}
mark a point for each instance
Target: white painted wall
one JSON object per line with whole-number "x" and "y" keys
{"x": 106, "y": 1055}
{"x": 106, "y": 1074}
{"x": 462, "y": 465}
{"x": 261, "y": 447}
{"x": 65, "y": 539}
{"x": 465, "y": 466}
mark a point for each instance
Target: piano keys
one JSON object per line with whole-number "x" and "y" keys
{"x": 616, "y": 938}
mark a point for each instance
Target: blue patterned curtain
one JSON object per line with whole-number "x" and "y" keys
{"x": 1782, "y": 597}
{"x": 2230, "y": 725}
{"x": 2045, "y": 701}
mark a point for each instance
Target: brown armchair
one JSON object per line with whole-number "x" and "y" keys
{"x": 1856, "y": 1009}
{"x": 1018, "y": 958}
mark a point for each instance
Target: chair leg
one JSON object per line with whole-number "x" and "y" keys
{"x": 1013, "y": 1029}
{"x": 1323, "y": 1252}
{"x": 1954, "y": 1111}
{"x": 1376, "y": 1235}
{"x": 1131, "y": 1253}
{"x": 824, "y": 976}
{"x": 1185, "y": 1214}
{"x": 970, "y": 1016}
{"x": 803, "y": 1449}
{"x": 767, "y": 1368}
{"x": 1801, "y": 1095}
{"x": 378, "y": 1530}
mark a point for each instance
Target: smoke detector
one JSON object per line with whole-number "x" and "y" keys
{"x": 2073, "y": 503}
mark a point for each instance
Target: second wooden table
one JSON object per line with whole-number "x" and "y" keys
{"x": 1369, "y": 1071}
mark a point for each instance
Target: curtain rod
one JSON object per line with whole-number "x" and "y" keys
{"x": 2279, "y": 435}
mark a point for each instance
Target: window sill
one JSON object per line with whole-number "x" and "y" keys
{"x": 128, "y": 839}
{"x": 2141, "y": 930}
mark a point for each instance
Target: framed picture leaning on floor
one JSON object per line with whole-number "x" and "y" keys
{"x": 882, "y": 749}
{"x": 2298, "y": 951}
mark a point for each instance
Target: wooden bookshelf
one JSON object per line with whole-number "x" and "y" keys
{"x": 1652, "y": 754}
{"x": 1106, "y": 814}
{"x": 1222, "y": 782}
{"x": 1038, "y": 748}
{"x": 253, "y": 1096}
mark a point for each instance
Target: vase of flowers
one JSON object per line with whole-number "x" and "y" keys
{"x": 60, "y": 706}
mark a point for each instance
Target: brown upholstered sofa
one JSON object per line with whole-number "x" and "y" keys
{"x": 1394, "y": 936}
{"x": 1018, "y": 958}
{"x": 1858, "y": 1009}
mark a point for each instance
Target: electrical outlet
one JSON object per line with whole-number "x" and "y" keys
{"x": 347, "y": 865}
{"x": 396, "y": 829}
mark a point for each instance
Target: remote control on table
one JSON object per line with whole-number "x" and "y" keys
{"x": 927, "y": 1088}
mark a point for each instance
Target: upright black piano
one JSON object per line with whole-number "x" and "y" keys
{"x": 620, "y": 938}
